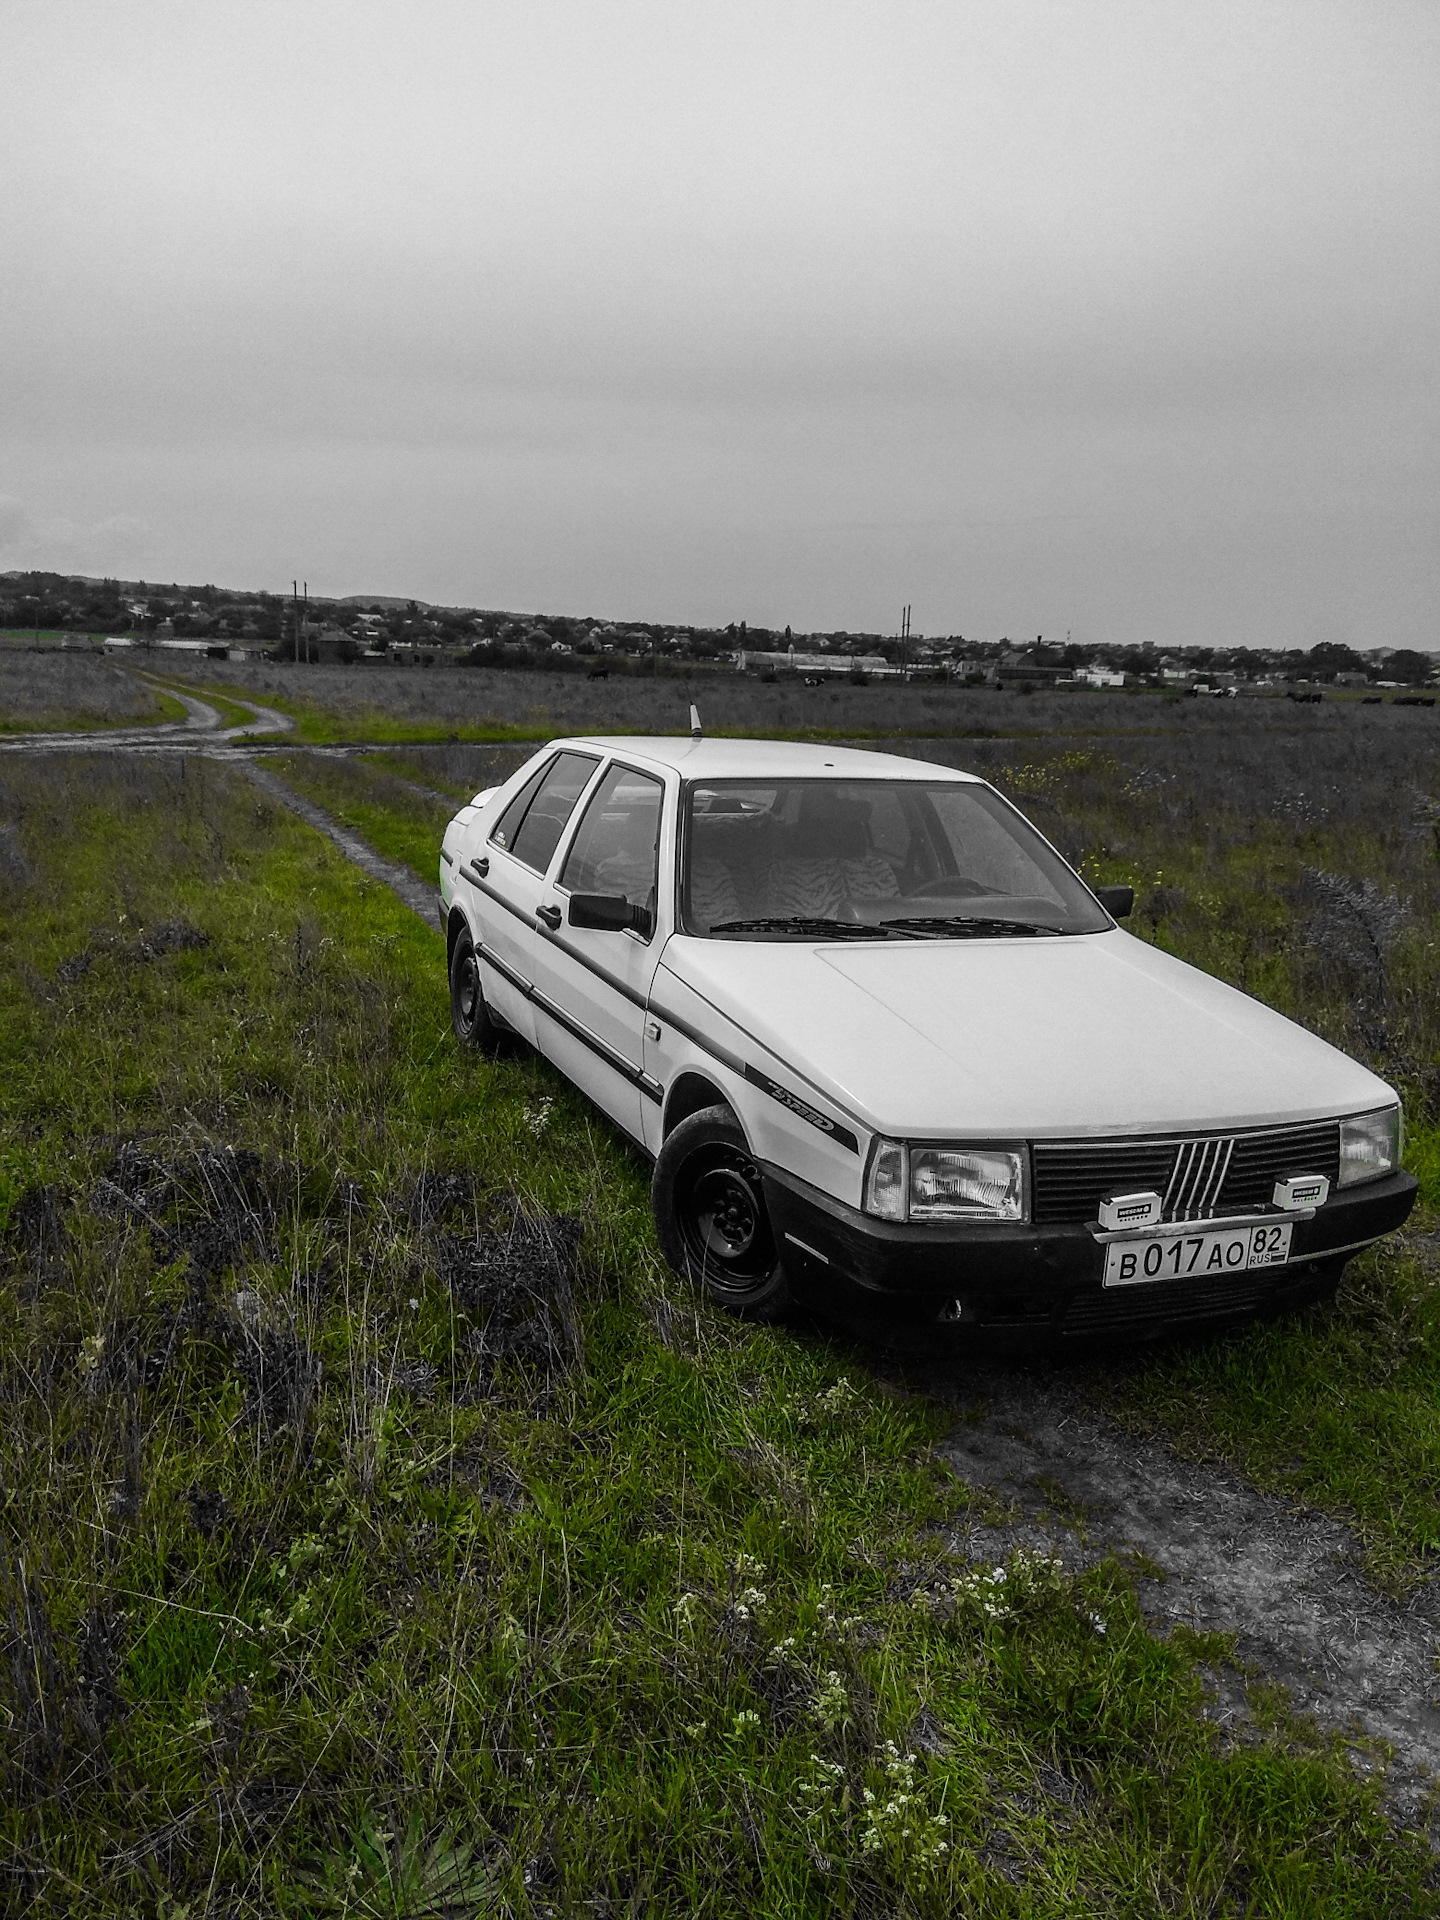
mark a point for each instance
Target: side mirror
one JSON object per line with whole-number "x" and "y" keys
{"x": 608, "y": 913}
{"x": 1117, "y": 901}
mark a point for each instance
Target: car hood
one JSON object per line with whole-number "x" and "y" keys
{"x": 1089, "y": 1034}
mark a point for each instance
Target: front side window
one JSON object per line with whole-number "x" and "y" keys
{"x": 805, "y": 859}
{"x": 533, "y": 833}
{"x": 616, "y": 848}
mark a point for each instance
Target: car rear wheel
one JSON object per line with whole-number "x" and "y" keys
{"x": 711, "y": 1216}
{"x": 474, "y": 1024}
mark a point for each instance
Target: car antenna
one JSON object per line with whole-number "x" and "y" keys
{"x": 696, "y": 730}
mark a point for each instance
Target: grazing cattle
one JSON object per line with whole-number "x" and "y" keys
{"x": 598, "y": 673}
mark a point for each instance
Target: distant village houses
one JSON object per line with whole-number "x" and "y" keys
{"x": 52, "y": 610}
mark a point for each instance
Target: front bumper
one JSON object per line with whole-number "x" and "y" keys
{"x": 890, "y": 1278}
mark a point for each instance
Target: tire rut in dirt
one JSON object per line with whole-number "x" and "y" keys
{"x": 1287, "y": 1580}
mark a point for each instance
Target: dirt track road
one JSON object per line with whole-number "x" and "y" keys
{"x": 200, "y": 731}
{"x": 1287, "y": 1580}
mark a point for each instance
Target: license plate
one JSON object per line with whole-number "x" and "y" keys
{"x": 1199, "y": 1256}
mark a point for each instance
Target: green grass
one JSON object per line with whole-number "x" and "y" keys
{"x": 635, "y": 1619}
{"x": 232, "y": 714}
{"x": 1339, "y": 1409}
{"x": 415, "y": 769}
{"x": 381, "y": 808}
{"x": 379, "y": 705}
{"x": 163, "y": 707}
{"x": 319, "y": 726}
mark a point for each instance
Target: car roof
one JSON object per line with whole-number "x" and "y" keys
{"x": 762, "y": 759}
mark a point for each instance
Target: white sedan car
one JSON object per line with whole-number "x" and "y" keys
{"x": 892, "y": 1057}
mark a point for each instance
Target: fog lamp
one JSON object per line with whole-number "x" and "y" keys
{"x": 1301, "y": 1190}
{"x": 1123, "y": 1210}
{"x": 1371, "y": 1144}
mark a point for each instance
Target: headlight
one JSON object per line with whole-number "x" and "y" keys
{"x": 945, "y": 1183}
{"x": 1370, "y": 1144}
{"x": 885, "y": 1182}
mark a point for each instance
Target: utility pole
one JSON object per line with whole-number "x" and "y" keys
{"x": 300, "y": 620}
{"x": 905, "y": 637}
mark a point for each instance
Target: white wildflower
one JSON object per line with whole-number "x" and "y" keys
{"x": 832, "y": 1703}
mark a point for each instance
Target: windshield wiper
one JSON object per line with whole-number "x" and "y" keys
{"x": 805, "y": 928}
{"x": 967, "y": 926}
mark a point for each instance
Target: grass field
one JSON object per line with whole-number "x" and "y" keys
{"x": 51, "y": 691}
{"x": 1236, "y": 847}
{"x": 231, "y": 713}
{"x": 371, "y": 702}
{"x": 379, "y": 1513}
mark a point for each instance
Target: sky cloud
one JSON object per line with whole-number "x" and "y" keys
{"x": 119, "y": 545}
{"x": 1121, "y": 318}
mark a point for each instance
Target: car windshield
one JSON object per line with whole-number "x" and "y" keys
{"x": 809, "y": 859}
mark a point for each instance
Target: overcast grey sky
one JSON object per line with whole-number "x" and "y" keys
{"x": 1116, "y": 317}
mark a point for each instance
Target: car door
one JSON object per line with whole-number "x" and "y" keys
{"x": 510, "y": 877}
{"x": 592, "y": 983}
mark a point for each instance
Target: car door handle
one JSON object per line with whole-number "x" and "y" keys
{"x": 550, "y": 915}
{"x": 482, "y": 867}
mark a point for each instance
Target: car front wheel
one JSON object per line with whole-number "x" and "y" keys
{"x": 472, "y": 1020}
{"x": 711, "y": 1217}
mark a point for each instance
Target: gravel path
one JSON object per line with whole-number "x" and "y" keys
{"x": 1287, "y": 1580}
{"x": 416, "y": 895}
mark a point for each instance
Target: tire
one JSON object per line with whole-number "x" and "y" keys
{"x": 711, "y": 1217}
{"x": 473, "y": 1023}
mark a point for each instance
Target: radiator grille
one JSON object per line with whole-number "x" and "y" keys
{"x": 1199, "y": 1176}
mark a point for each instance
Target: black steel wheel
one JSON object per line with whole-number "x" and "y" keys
{"x": 711, "y": 1216}
{"x": 472, "y": 1020}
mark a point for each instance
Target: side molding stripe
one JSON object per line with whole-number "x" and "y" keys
{"x": 626, "y": 1068}
{"x": 802, "y": 1110}
{"x": 706, "y": 1045}
{"x": 842, "y": 1136}
{"x": 637, "y": 1076}
{"x": 506, "y": 971}
{"x": 823, "y": 1093}
{"x": 611, "y": 980}
{"x": 490, "y": 893}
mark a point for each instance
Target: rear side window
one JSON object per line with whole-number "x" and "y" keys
{"x": 543, "y": 822}
{"x": 509, "y": 823}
